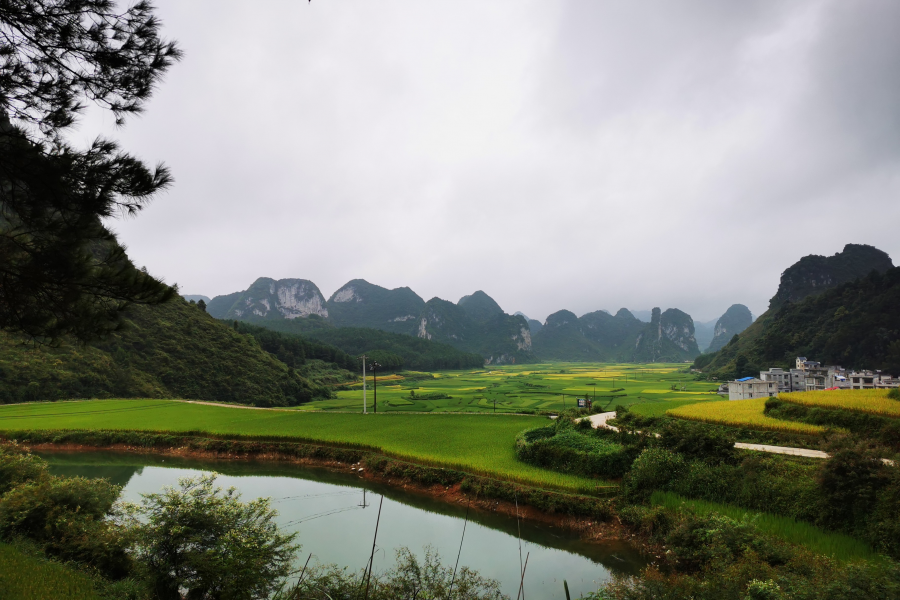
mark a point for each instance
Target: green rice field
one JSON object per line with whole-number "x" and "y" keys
{"x": 480, "y": 444}
{"x": 837, "y": 545}
{"x": 516, "y": 388}
{"x": 450, "y": 435}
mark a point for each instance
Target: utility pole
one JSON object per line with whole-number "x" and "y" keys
{"x": 595, "y": 393}
{"x": 374, "y": 369}
{"x": 364, "y": 357}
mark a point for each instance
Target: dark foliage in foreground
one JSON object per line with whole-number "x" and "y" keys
{"x": 62, "y": 272}
{"x": 718, "y": 558}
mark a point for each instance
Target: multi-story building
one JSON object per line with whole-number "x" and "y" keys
{"x": 747, "y": 388}
{"x": 869, "y": 380}
{"x": 781, "y": 377}
{"x": 804, "y": 364}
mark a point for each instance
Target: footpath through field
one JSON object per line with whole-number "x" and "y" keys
{"x": 600, "y": 420}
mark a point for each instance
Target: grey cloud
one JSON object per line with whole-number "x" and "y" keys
{"x": 566, "y": 154}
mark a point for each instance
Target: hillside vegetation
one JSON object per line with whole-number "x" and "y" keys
{"x": 174, "y": 350}
{"x": 414, "y": 353}
{"x": 856, "y": 325}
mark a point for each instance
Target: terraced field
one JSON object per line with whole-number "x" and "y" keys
{"x": 544, "y": 387}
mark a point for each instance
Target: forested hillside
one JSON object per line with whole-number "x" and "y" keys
{"x": 500, "y": 338}
{"x": 414, "y": 353}
{"x": 855, "y": 325}
{"x": 765, "y": 341}
{"x": 174, "y": 350}
{"x": 596, "y": 336}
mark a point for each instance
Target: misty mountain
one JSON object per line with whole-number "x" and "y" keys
{"x": 813, "y": 274}
{"x": 195, "y": 298}
{"x": 268, "y": 299}
{"x": 500, "y": 339}
{"x": 480, "y": 307}
{"x": 669, "y": 337}
{"x": 642, "y": 315}
{"x": 596, "y": 336}
{"x": 795, "y": 304}
{"x": 704, "y": 331}
{"x": 735, "y": 320}
{"x": 475, "y": 324}
{"x": 533, "y": 324}
{"x": 359, "y": 303}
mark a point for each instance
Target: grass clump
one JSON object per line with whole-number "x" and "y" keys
{"x": 837, "y": 545}
{"x": 24, "y": 577}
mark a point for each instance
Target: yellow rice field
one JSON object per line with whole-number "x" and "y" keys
{"x": 740, "y": 413}
{"x": 874, "y": 402}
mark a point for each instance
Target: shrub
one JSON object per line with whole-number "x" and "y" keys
{"x": 67, "y": 517}
{"x": 200, "y": 539}
{"x": 573, "y": 449}
{"x": 18, "y": 467}
{"x": 408, "y": 580}
{"x": 894, "y": 394}
{"x": 697, "y": 442}
{"x": 653, "y": 470}
{"x": 849, "y": 483}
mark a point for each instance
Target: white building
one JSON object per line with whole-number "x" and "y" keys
{"x": 751, "y": 387}
{"x": 781, "y": 377}
{"x": 868, "y": 380}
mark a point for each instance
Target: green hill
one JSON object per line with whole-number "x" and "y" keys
{"x": 855, "y": 325}
{"x": 174, "y": 350}
{"x": 415, "y": 353}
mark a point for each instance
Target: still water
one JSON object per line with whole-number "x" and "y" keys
{"x": 335, "y": 516}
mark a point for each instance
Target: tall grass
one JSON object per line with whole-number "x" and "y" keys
{"x": 741, "y": 413}
{"x": 840, "y": 546}
{"x": 24, "y": 577}
{"x": 874, "y": 402}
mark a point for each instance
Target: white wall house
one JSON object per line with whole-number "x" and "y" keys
{"x": 781, "y": 377}
{"x": 751, "y": 387}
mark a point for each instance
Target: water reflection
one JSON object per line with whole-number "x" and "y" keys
{"x": 335, "y": 515}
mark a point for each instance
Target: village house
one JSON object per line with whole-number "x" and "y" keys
{"x": 747, "y": 388}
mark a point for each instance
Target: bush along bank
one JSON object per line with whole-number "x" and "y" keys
{"x": 884, "y": 430}
{"x": 553, "y": 502}
{"x": 576, "y": 449}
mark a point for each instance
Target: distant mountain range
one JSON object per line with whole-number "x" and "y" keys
{"x": 474, "y": 324}
{"x": 842, "y": 309}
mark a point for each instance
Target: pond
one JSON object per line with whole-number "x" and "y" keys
{"x": 335, "y": 515}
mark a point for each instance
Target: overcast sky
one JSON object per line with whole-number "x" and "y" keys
{"x": 556, "y": 154}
